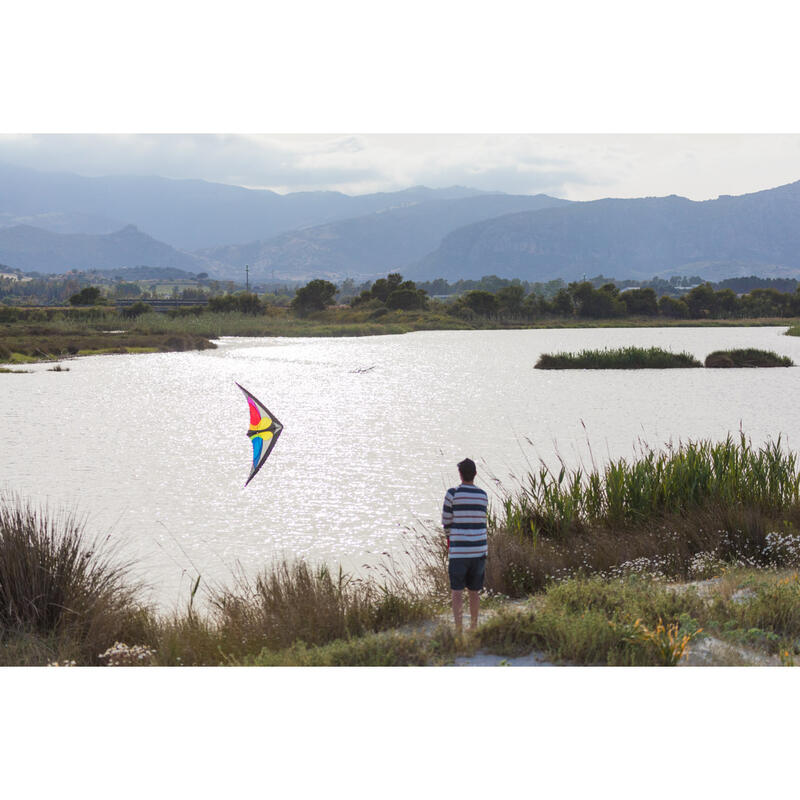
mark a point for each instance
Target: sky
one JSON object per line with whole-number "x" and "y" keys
{"x": 579, "y": 100}
{"x": 572, "y": 166}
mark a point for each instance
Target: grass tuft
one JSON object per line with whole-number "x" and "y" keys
{"x": 620, "y": 358}
{"x": 750, "y": 357}
{"x": 62, "y": 594}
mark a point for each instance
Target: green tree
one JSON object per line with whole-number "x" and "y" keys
{"x": 641, "y": 302}
{"x": 480, "y": 302}
{"x": 509, "y": 299}
{"x": 562, "y": 304}
{"x": 407, "y": 297}
{"x": 88, "y": 296}
{"x": 599, "y": 303}
{"x": 702, "y": 301}
{"x": 383, "y": 287}
{"x": 314, "y": 296}
{"x": 672, "y": 307}
{"x": 727, "y": 303}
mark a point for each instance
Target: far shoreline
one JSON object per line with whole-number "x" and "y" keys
{"x": 51, "y": 340}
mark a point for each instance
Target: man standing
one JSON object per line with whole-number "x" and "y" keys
{"x": 464, "y": 522}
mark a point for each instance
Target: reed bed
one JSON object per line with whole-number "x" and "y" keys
{"x": 662, "y": 514}
{"x": 618, "y": 358}
{"x": 750, "y": 357}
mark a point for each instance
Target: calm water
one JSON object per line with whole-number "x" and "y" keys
{"x": 153, "y": 447}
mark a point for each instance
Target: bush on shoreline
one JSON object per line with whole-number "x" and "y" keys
{"x": 750, "y": 357}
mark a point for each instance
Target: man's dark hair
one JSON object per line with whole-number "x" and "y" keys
{"x": 467, "y": 470}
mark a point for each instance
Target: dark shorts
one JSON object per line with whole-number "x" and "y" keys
{"x": 467, "y": 572}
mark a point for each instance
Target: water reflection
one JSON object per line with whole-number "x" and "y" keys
{"x": 155, "y": 446}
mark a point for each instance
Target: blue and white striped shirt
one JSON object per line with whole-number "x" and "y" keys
{"x": 464, "y": 521}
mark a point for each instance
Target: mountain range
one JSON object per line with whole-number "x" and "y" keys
{"x": 186, "y": 214}
{"x": 378, "y": 243}
{"x": 756, "y": 233}
{"x": 54, "y": 222}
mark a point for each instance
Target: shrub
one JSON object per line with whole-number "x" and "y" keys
{"x": 297, "y": 602}
{"x": 88, "y": 296}
{"x": 747, "y": 358}
{"x": 60, "y": 588}
{"x": 135, "y": 310}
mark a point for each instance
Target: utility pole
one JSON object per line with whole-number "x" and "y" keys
{"x": 247, "y": 276}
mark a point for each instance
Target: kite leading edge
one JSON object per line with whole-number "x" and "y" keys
{"x": 263, "y": 432}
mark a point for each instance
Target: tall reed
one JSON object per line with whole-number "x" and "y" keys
{"x": 619, "y": 358}
{"x": 671, "y": 482}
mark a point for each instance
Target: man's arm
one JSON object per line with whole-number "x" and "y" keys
{"x": 447, "y": 510}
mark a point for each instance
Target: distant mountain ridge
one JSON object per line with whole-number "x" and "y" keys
{"x": 364, "y": 246}
{"x": 423, "y": 233}
{"x": 189, "y": 214}
{"x": 756, "y": 233}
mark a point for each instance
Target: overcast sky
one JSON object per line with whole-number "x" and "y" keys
{"x": 576, "y": 167}
{"x": 523, "y": 71}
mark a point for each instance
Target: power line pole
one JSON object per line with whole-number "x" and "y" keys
{"x": 247, "y": 276}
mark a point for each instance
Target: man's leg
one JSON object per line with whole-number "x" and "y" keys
{"x": 474, "y": 604}
{"x": 458, "y": 608}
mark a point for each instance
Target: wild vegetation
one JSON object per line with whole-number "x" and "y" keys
{"x": 620, "y": 358}
{"x": 656, "y": 358}
{"x": 582, "y": 566}
{"x": 747, "y": 358}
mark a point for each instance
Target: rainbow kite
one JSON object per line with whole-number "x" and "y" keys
{"x": 264, "y": 431}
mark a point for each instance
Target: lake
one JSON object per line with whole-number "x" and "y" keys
{"x": 153, "y": 448}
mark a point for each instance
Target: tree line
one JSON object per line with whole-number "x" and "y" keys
{"x": 491, "y": 298}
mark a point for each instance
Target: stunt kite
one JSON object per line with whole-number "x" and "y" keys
{"x": 264, "y": 431}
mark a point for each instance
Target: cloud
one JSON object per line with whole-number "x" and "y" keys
{"x": 576, "y": 166}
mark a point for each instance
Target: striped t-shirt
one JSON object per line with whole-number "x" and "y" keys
{"x": 464, "y": 521}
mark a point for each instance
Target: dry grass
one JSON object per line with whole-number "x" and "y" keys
{"x": 63, "y": 595}
{"x": 294, "y": 602}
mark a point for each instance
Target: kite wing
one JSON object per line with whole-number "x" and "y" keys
{"x": 263, "y": 433}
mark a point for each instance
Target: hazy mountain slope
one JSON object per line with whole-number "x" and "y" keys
{"x": 190, "y": 214}
{"x": 373, "y": 244}
{"x": 759, "y": 233}
{"x": 63, "y": 222}
{"x": 33, "y": 249}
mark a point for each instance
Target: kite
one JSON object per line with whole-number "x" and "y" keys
{"x": 264, "y": 431}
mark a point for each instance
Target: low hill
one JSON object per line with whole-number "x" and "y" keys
{"x": 33, "y": 249}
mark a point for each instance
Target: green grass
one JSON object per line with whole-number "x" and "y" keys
{"x": 731, "y": 473}
{"x": 749, "y": 357}
{"x": 388, "y": 649}
{"x": 646, "y": 622}
{"x": 595, "y": 621}
{"x": 672, "y": 513}
{"x": 620, "y": 358}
